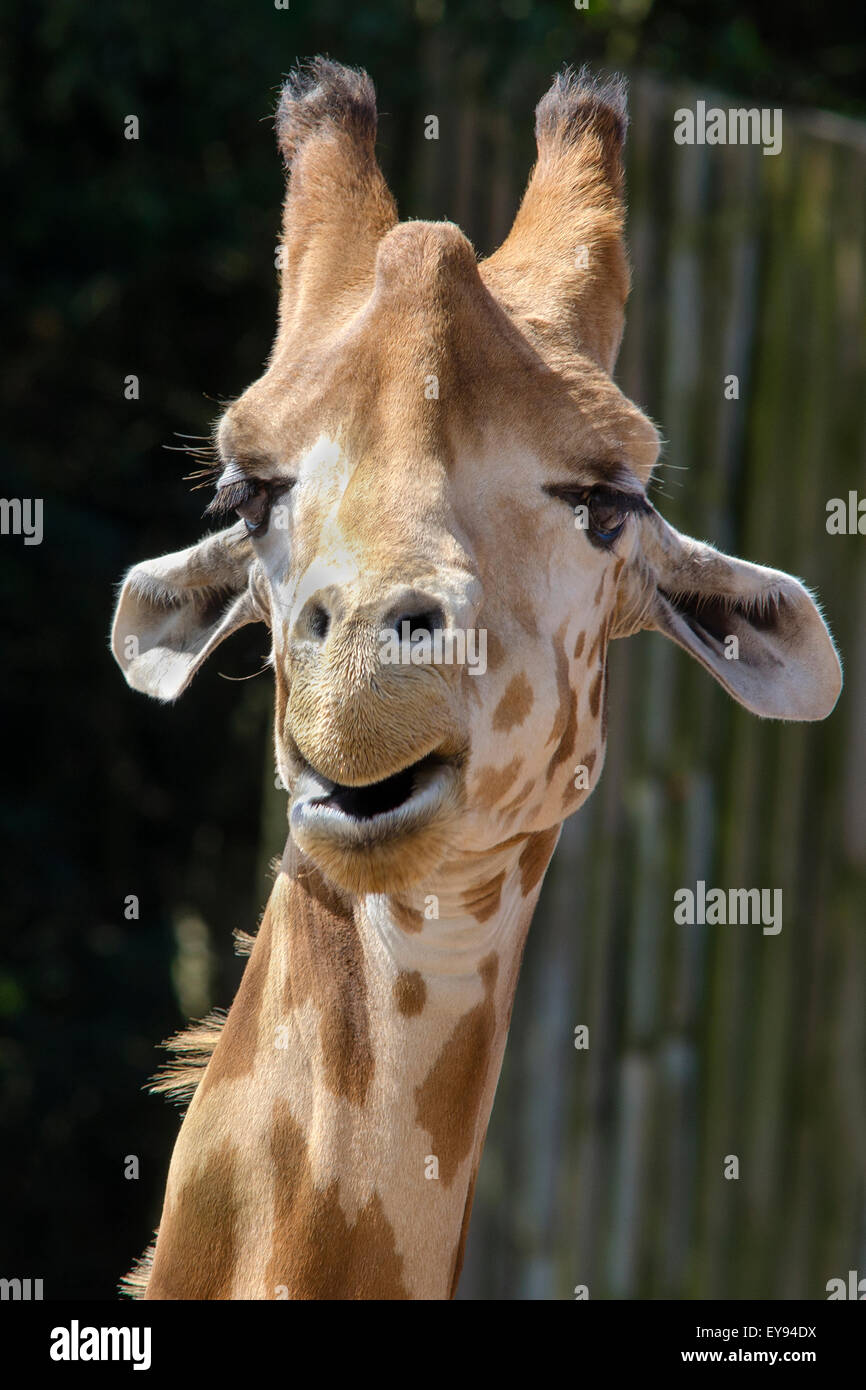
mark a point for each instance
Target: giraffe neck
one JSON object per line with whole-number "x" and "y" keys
{"x": 331, "y": 1147}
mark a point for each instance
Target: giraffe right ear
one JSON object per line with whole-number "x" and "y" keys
{"x": 758, "y": 631}
{"x": 174, "y": 611}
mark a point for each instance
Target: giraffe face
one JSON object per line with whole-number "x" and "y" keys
{"x": 439, "y": 524}
{"x": 443, "y": 516}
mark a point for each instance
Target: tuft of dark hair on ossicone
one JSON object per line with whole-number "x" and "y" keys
{"x": 319, "y": 94}
{"x": 579, "y": 101}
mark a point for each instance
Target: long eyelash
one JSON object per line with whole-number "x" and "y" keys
{"x": 232, "y": 496}
{"x": 202, "y": 450}
{"x": 625, "y": 500}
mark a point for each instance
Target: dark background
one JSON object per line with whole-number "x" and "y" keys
{"x": 156, "y": 257}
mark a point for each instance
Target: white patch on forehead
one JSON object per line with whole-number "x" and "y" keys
{"x": 321, "y": 478}
{"x": 326, "y": 462}
{"x": 326, "y": 472}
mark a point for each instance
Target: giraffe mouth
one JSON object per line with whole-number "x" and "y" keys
{"x": 378, "y": 811}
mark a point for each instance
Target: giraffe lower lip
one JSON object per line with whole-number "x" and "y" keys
{"x": 377, "y": 811}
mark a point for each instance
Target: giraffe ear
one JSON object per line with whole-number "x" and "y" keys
{"x": 174, "y": 611}
{"x": 757, "y": 630}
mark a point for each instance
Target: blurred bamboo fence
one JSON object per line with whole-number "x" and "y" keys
{"x": 605, "y": 1167}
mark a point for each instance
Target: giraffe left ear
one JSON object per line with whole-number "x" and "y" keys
{"x": 174, "y": 611}
{"x": 758, "y": 631}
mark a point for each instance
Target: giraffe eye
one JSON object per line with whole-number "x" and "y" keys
{"x": 248, "y": 498}
{"x": 607, "y": 514}
{"x": 255, "y": 507}
{"x": 251, "y": 500}
{"x": 600, "y": 511}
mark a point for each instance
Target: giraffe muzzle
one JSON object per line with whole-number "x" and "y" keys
{"x": 378, "y": 811}
{"x": 379, "y": 835}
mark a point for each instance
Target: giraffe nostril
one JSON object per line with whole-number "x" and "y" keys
{"x": 318, "y": 622}
{"x": 424, "y": 624}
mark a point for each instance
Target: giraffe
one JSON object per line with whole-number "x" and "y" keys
{"x": 436, "y": 446}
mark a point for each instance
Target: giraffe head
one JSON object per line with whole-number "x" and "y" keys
{"x": 443, "y": 509}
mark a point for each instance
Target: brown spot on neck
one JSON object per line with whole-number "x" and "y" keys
{"x": 579, "y": 644}
{"x": 571, "y": 793}
{"x": 409, "y": 918}
{"x": 448, "y": 1102}
{"x": 484, "y": 901}
{"x": 495, "y": 652}
{"x": 491, "y": 851}
{"x": 315, "y": 1252}
{"x": 410, "y": 992}
{"x": 536, "y": 857}
{"x": 563, "y": 686}
{"x": 326, "y": 965}
{"x": 565, "y": 722}
{"x": 492, "y": 783}
{"x": 595, "y": 692}
{"x": 197, "y": 1244}
{"x": 518, "y": 800}
{"x": 598, "y": 642}
{"x": 516, "y": 702}
{"x": 235, "y": 1051}
{"x": 566, "y": 744}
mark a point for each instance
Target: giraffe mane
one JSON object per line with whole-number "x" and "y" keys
{"x": 244, "y": 942}
{"x": 134, "y": 1284}
{"x": 193, "y": 1048}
